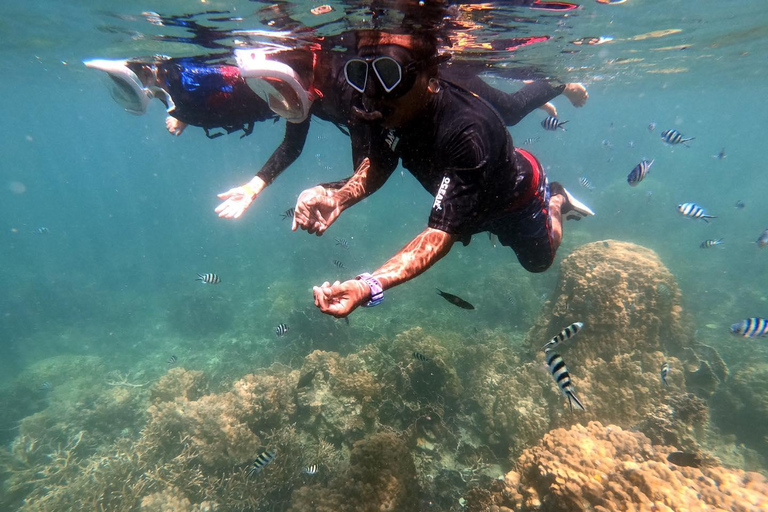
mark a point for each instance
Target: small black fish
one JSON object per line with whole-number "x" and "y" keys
{"x": 338, "y": 263}
{"x": 421, "y": 357}
{"x": 664, "y": 372}
{"x": 288, "y": 214}
{"x": 281, "y": 330}
{"x": 262, "y": 460}
{"x": 708, "y": 244}
{"x": 342, "y": 242}
{"x": 551, "y": 123}
{"x": 739, "y": 205}
{"x": 689, "y": 460}
{"x": 456, "y": 301}
{"x": 673, "y": 137}
{"x": 306, "y": 379}
{"x": 310, "y": 470}
{"x": 209, "y": 278}
{"x": 172, "y": 360}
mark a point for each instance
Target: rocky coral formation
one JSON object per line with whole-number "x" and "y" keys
{"x": 633, "y": 323}
{"x": 381, "y": 478}
{"x": 741, "y": 406}
{"x": 607, "y": 468}
{"x": 179, "y": 383}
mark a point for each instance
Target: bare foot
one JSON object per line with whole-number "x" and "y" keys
{"x": 549, "y": 109}
{"x": 174, "y": 126}
{"x": 576, "y": 94}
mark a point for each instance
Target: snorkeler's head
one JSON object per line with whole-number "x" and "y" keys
{"x": 131, "y": 84}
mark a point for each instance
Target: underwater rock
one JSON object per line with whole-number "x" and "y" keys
{"x": 173, "y": 500}
{"x": 629, "y": 303}
{"x": 740, "y": 407}
{"x": 179, "y": 383}
{"x": 606, "y": 468}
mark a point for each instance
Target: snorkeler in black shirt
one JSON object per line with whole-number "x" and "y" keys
{"x": 458, "y": 148}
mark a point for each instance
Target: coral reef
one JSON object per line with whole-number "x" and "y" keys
{"x": 741, "y": 406}
{"x": 607, "y": 468}
{"x": 381, "y": 478}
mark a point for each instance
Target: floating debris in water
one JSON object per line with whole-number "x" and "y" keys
{"x": 694, "y": 211}
{"x": 288, "y": 214}
{"x": 559, "y": 372}
{"x": 639, "y": 172}
{"x": 689, "y": 460}
{"x": 281, "y": 330}
{"x": 261, "y": 461}
{"x": 606, "y": 144}
{"x": 551, "y": 123}
{"x": 172, "y": 360}
{"x": 306, "y": 379}
{"x": 342, "y": 242}
{"x": 453, "y": 299}
{"x": 664, "y": 372}
{"x": 338, "y": 263}
{"x": 421, "y": 357}
{"x": 720, "y": 155}
{"x": 651, "y": 127}
{"x": 209, "y": 278}
{"x": 739, "y": 205}
{"x": 754, "y": 327}
{"x": 673, "y": 137}
{"x": 708, "y": 244}
{"x": 564, "y": 335}
{"x": 310, "y": 470}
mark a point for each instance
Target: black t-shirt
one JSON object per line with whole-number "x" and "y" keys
{"x": 459, "y": 150}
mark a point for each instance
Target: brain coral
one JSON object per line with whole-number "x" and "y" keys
{"x": 606, "y": 468}
{"x": 633, "y": 323}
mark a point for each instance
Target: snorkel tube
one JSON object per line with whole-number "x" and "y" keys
{"x": 127, "y": 89}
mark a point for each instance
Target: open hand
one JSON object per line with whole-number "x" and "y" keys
{"x": 238, "y": 199}
{"x": 340, "y": 299}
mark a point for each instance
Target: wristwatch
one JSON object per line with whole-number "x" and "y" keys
{"x": 377, "y": 292}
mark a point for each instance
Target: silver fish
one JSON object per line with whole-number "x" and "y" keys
{"x": 564, "y": 335}
{"x": 762, "y": 240}
{"x": 563, "y": 379}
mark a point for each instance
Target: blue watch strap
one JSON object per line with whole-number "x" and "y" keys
{"x": 377, "y": 292}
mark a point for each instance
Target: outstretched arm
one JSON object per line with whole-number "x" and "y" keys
{"x": 238, "y": 199}
{"x": 340, "y": 299}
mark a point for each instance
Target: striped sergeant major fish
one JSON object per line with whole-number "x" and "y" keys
{"x": 566, "y": 334}
{"x": 288, "y": 214}
{"x": 338, "y": 263}
{"x": 551, "y": 123}
{"x": 343, "y": 243}
{"x": 563, "y": 379}
{"x": 281, "y": 330}
{"x": 762, "y": 240}
{"x": 42, "y": 230}
{"x": 754, "y": 327}
{"x": 695, "y": 211}
{"x": 673, "y": 137}
{"x": 584, "y": 182}
{"x": 421, "y": 357}
{"x": 708, "y": 244}
{"x": 310, "y": 470}
{"x": 664, "y": 372}
{"x": 638, "y": 173}
{"x": 209, "y": 278}
{"x": 262, "y": 460}
{"x": 172, "y": 360}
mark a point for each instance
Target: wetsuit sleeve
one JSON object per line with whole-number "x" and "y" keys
{"x": 514, "y": 107}
{"x": 458, "y": 200}
{"x": 287, "y": 152}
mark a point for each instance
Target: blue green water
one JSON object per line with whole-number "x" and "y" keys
{"x": 130, "y": 216}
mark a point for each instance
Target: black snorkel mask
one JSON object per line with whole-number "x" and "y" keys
{"x": 389, "y": 72}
